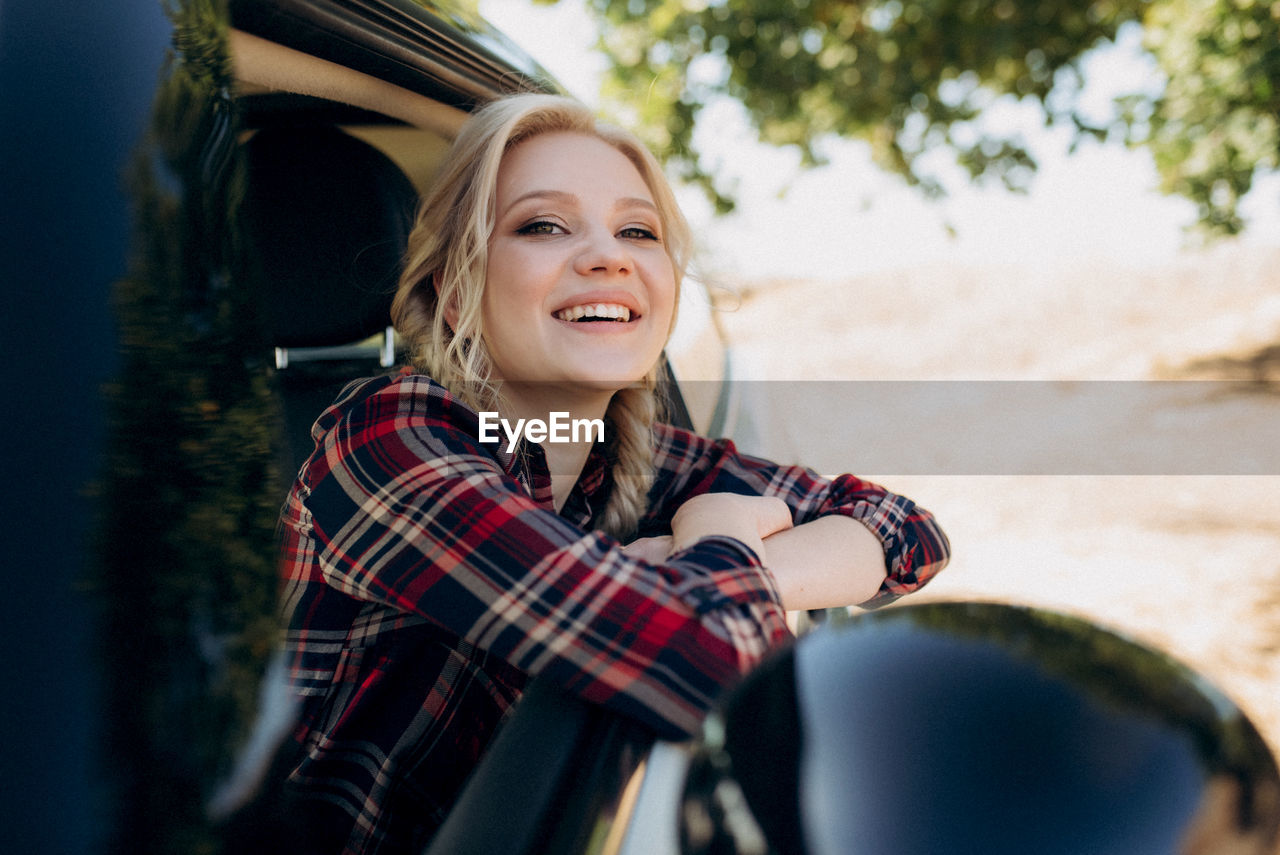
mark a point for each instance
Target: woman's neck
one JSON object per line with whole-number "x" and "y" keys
{"x": 574, "y": 413}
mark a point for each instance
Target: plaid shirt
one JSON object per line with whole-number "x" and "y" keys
{"x": 427, "y": 574}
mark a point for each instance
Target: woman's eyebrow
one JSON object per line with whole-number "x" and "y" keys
{"x": 635, "y": 202}
{"x": 552, "y": 195}
{"x": 569, "y": 198}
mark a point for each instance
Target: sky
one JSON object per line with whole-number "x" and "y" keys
{"x": 849, "y": 218}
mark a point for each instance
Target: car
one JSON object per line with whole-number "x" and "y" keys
{"x": 207, "y": 203}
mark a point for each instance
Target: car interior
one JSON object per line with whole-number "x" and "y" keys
{"x": 324, "y": 282}
{"x": 334, "y": 164}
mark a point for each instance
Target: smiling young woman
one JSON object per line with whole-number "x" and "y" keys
{"x": 429, "y": 574}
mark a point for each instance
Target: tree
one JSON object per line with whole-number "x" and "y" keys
{"x": 913, "y": 76}
{"x": 1218, "y": 121}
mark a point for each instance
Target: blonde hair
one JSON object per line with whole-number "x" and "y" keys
{"x": 446, "y": 266}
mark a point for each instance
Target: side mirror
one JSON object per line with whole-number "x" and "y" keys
{"x": 977, "y": 728}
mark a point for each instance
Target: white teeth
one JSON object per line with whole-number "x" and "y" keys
{"x": 610, "y": 311}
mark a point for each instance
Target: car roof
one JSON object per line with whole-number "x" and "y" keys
{"x": 434, "y": 48}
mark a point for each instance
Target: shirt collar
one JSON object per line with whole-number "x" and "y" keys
{"x": 527, "y": 464}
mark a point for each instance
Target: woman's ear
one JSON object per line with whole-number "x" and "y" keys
{"x": 451, "y": 316}
{"x": 450, "y": 308}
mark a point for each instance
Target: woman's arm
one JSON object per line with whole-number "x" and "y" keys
{"x": 815, "y": 566}
{"x": 830, "y": 562}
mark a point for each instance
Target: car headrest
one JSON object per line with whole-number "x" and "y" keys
{"x": 326, "y": 217}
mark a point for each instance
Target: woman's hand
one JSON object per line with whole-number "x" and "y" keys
{"x": 652, "y": 549}
{"x": 750, "y": 519}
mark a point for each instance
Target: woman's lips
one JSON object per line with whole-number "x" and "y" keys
{"x": 595, "y": 312}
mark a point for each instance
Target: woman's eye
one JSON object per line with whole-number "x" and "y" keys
{"x": 638, "y": 233}
{"x": 540, "y": 227}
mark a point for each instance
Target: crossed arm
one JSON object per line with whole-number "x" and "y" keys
{"x": 825, "y": 563}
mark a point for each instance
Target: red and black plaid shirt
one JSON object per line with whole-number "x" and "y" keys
{"x": 426, "y": 575}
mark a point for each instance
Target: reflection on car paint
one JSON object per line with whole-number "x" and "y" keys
{"x": 972, "y": 727}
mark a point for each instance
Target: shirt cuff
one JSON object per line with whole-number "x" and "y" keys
{"x": 885, "y": 518}
{"x": 722, "y": 571}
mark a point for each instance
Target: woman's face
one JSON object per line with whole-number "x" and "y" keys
{"x": 580, "y": 290}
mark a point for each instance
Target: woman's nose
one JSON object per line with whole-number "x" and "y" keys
{"x": 602, "y": 252}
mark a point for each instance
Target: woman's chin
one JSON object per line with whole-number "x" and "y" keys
{"x": 606, "y": 384}
{"x": 600, "y": 373}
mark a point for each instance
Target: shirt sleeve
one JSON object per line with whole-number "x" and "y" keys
{"x": 406, "y": 509}
{"x": 915, "y": 547}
